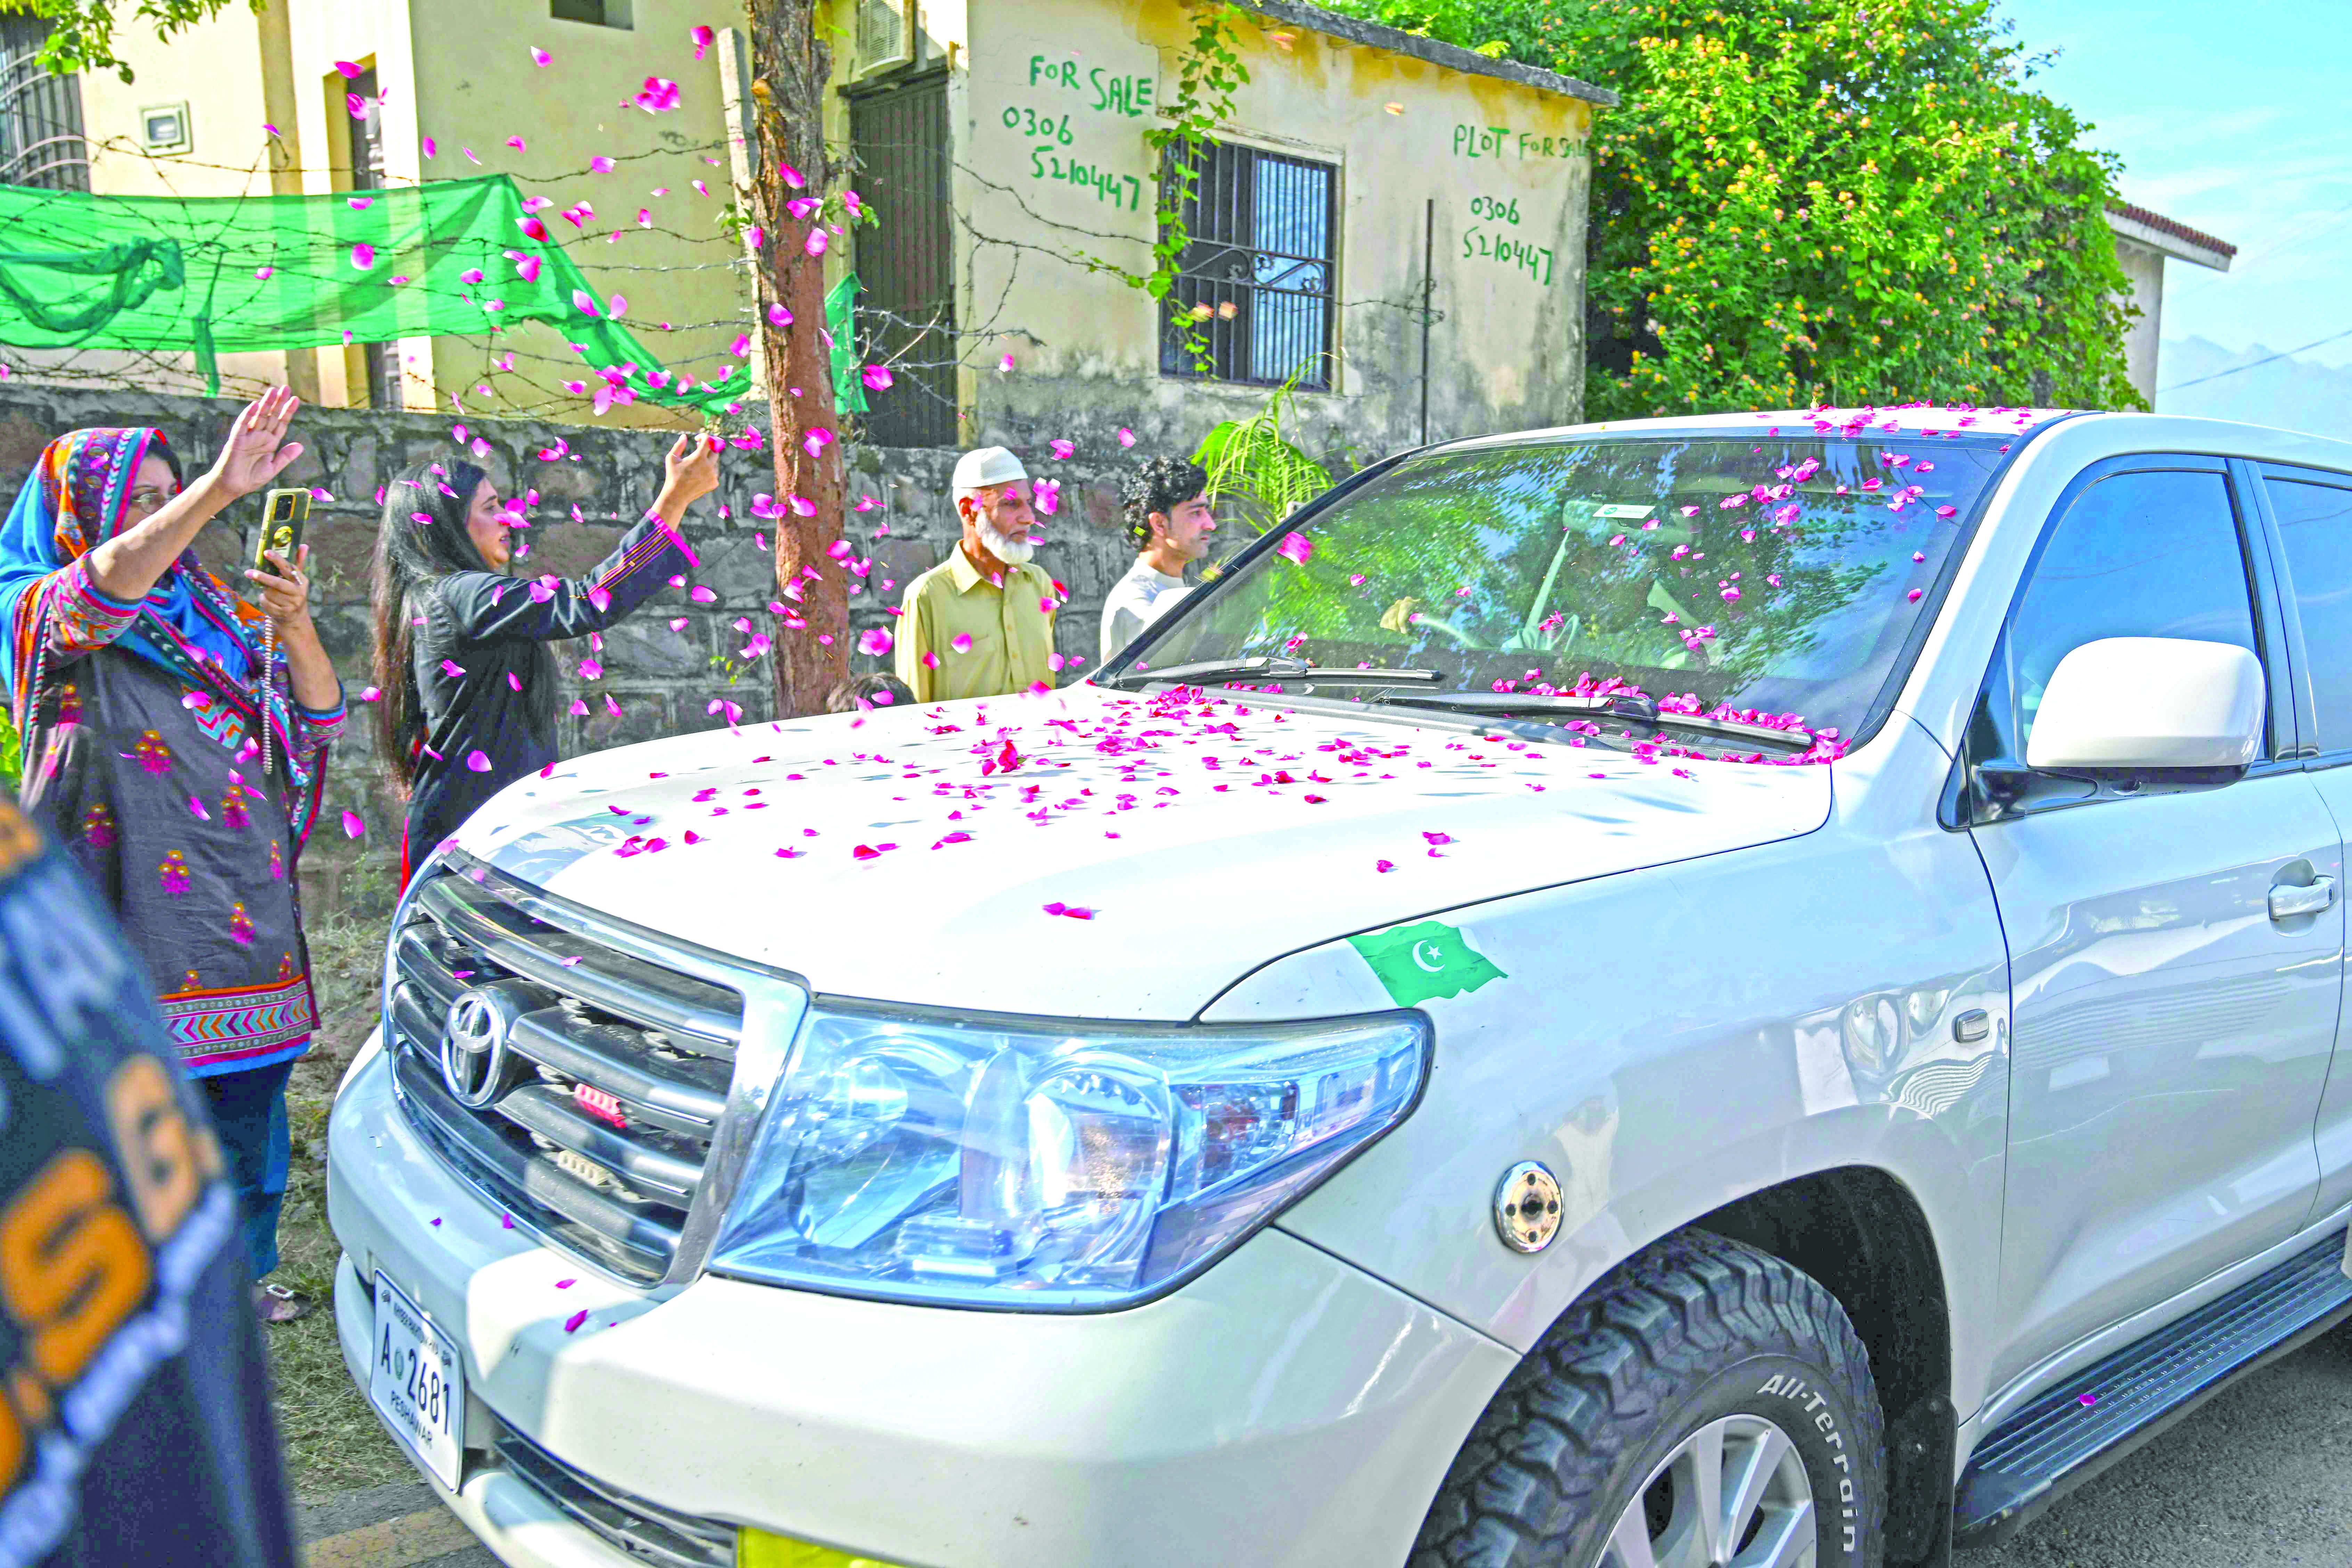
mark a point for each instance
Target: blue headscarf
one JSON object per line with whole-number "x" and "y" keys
{"x": 79, "y": 497}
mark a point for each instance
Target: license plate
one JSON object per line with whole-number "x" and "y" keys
{"x": 417, "y": 1385}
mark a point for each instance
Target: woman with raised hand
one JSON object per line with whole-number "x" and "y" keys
{"x": 469, "y": 685}
{"x": 176, "y": 742}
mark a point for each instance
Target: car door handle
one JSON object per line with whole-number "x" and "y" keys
{"x": 2288, "y": 902}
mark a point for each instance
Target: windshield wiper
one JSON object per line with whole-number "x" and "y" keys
{"x": 1623, "y": 705}
{"x": 1262, "y": 667}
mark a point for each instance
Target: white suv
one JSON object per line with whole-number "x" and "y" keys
{"x": 1756, "y": 989}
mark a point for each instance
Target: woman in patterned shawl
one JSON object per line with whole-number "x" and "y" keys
{"x": 177, "y": 745}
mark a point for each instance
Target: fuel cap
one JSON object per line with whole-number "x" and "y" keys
{"x": 1527, "y": 1207}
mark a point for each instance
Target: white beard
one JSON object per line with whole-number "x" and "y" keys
{"x": 1012, "y": 552}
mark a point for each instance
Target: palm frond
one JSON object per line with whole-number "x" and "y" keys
{"x": 1250, "y": 461}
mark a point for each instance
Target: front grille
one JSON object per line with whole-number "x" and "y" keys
{"x": 647, "y": 1532}
{"x": 597, "y": 1131}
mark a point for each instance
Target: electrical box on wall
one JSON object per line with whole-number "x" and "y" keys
{"x": 167, "y": 127}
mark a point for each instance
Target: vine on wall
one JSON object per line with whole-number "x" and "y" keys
{"x": 1206, "y": 77}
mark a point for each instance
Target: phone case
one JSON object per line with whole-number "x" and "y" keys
{"x": 285, "y": 516}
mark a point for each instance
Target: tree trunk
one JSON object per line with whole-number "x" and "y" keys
{"x": 790, "y": 67}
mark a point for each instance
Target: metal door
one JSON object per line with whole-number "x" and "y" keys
{"x": 2174, "y": 975}
{"x": 2310, "y": 533}
{"x": 906, "y": 306}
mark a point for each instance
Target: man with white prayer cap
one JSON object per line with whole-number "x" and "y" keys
{"x": 980, "y": 623}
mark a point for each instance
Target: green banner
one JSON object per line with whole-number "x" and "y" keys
{"x": 215, "y": 275}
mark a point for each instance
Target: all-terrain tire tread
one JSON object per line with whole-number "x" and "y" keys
{"x": 1535, "y": 1464}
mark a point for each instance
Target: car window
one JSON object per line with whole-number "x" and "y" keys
{"x": 2315, "y": 523}
{"x": 2144, "y": 554}
{"x": 1786, "y": 575}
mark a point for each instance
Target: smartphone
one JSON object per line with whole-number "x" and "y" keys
{"x": 285, "y": 514}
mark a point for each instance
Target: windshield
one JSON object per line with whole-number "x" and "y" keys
{"x": 1769, "y": 582}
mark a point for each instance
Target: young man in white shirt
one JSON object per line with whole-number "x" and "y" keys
{"x": 1167, "y": 517}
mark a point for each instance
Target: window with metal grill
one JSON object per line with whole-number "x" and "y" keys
{"x": 1255, "y": 300}
{"x": 41, "y": 139}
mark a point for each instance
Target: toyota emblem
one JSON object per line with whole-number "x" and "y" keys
{"x": 473, "y": 1044}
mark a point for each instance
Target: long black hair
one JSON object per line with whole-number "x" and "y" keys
{"x": 422, "y": 539}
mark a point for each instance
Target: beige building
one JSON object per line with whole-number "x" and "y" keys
{"x": 1392, "y": 226}
{"x": 2143, "y": 241}
{"x": 1395, "y": 225}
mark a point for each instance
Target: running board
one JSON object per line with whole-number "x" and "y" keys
{"x": 2087, "y": 1424}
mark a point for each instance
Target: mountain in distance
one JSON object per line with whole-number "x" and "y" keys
{"x": 2289, "y": 393}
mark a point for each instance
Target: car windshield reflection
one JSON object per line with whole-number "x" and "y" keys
{"x": 1770, "y": 584}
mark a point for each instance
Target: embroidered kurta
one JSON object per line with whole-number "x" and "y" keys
{"x": 148, "y": 764}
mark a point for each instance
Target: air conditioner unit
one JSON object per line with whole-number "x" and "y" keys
{"x": 885, "y": 36}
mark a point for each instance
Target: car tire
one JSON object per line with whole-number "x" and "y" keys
{"x": 1698, "y": 1354}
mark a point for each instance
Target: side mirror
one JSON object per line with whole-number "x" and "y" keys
{"x": 2151, "y": 704}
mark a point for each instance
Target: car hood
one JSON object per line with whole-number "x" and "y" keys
{"x": 920, "y": 855}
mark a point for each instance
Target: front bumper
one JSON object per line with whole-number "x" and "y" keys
{"x": 1284, "y": 1408}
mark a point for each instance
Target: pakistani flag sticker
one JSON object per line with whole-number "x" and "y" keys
{"x": 1423, "y": 961}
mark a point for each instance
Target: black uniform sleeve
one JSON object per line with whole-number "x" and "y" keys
{"x": 144, "y": 1435}
{"x": 487, "y": 608}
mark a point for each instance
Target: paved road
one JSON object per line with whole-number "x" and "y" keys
{"x": 2262, "y": 1475}
{"x": 401, "y": 1526}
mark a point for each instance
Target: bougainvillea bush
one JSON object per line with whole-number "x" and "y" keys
{"x": 1848, "y": 200}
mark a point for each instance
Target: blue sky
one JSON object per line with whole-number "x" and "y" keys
{"x": 2235, "y": 119}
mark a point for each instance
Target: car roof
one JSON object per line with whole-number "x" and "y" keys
{"x": 2162, "y": 431}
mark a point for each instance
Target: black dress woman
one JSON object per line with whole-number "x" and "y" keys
{"x": 177, "y": 742}
{"x": 469, "y": 685}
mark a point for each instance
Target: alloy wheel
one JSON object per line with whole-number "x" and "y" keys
{"x": 1733, "y": 1494}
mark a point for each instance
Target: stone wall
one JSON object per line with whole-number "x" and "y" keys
{"x": 662, "y": 678}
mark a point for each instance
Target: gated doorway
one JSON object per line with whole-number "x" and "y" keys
{"x": 906, "y": 308}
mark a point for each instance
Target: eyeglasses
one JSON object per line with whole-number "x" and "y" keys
{"x": 149, "y": 499}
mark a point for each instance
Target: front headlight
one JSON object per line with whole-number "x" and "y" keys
{"x": 1018, "y": 1162}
